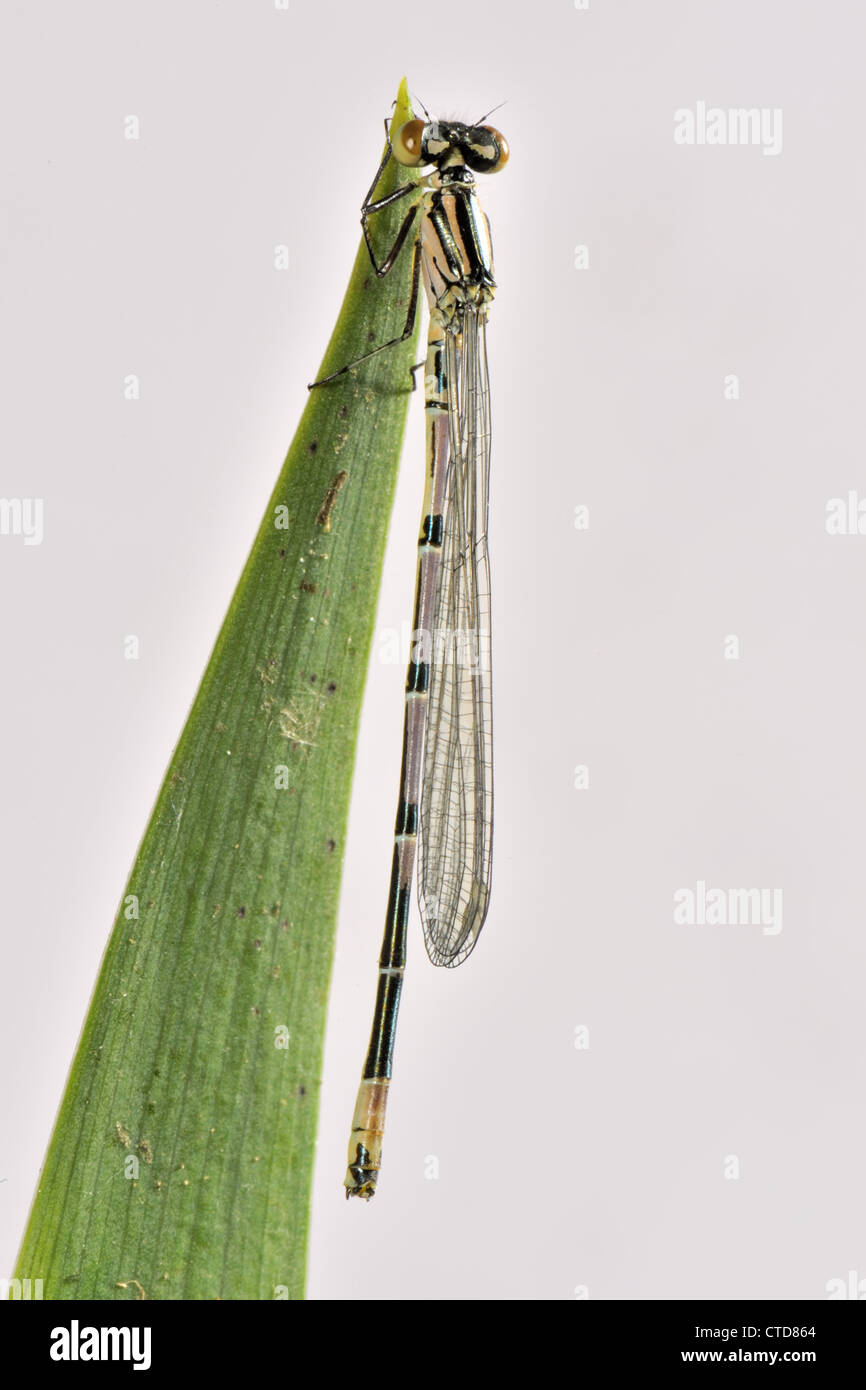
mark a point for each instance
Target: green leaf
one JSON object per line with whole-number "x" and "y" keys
{"x": 181, "y": 1160}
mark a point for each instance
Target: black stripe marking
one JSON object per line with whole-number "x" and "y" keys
{"x": 442, "y": 227}
{"x": 418, "y": 678}
{"x": 431, "y": 530}
{"x": 468, "y": 213}
{"x": 381, "y": 1051}
{"x": 407, "y": 818}
{"x": 474, "y": 271}
{"x": 393, "y": 953}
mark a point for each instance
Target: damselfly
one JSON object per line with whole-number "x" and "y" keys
{"x": 447, "y": 748}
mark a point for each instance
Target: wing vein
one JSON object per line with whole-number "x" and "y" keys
{"x": 456, "y": 817}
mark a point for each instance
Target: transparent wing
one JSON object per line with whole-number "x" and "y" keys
{"x": 456, "y": 815}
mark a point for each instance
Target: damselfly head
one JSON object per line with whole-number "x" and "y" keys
{"x": 481, "y": 147}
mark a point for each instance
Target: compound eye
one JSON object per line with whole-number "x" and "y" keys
{"x": 407, "y": 143}
{"x": 501, "y": 153}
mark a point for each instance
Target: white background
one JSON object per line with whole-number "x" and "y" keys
{"x": 558, "y": 1168}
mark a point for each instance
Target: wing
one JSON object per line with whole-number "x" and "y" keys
{"x": 456, "y": 814}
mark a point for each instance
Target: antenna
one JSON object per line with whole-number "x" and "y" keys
{"x": 490, "y": 112}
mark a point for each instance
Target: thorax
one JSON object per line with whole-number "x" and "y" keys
{"x": 455, "y": 242}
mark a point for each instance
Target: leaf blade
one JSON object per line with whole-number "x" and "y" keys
{"x": 237, "y": 883}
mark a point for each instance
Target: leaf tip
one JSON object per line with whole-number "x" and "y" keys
{"x": 402, "y": 108}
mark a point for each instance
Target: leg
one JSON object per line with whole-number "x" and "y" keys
{"x": 392, "y": 342}
{"x": 368, "y": 207}
{"x": 401, "y": 234}
{"x": 380, "y": 171}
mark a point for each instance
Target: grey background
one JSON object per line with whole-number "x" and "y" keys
{"x": 559, "y": 1168}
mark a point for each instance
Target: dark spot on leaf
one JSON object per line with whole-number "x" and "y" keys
{"x": 366, "y": 284}
{"x": 258, "y": 945}
{"x": 312, "y": 446}
{"x": 331, "y": 687}
{"x": 371, "y": 337}
{"x": 312, "y": 680}
{"x": 302, "y": 1090}
{"x": 343, "y": 411}
{"x": 282, "y": 554}
{"x": 242, "y": 912}
{"x": 332, "y": 845}
{"x": 308, "y": 587}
